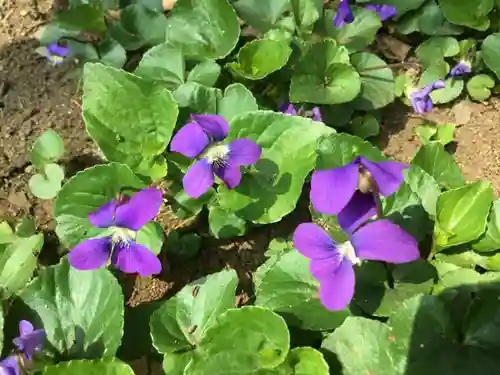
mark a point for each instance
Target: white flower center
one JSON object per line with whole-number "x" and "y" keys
{"x": 347, "y": 250}
{"x": 121, "y": 236}
{"x": 217, "y": 155}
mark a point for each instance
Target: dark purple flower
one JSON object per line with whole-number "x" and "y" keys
{"x": 54, "y": 53}
{"x": 384, "y": 11}
{"x": 462, "y": 67}
{"x": 123, "y": 219}
{"x": 332, "y": 263}
{"x": 421, "y": 100}
{"x": 289, "y": 109}
{"x": 348, "y": 191}
{"x": 343, "y": 14}
{"x": 30, "y": 340}
{"x": 202, "y": 137}
{"x": 10, "y": 366}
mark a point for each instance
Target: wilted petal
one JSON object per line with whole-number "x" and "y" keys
{"x": 10, "y": 366}
{"x": 215, "y": 126}
{"x": 288, "y": 109}
{"x": 325, "y": 268}
{"x": 90, "y": 254}
{"x": 331, "y": 189}
{"x": 136, "y": 258}
{"x": 388, "y": 175}
{"x": 103, "y": 217}
{"x": 316, "y": 114}
{"x": 360, "y": 208}
{"x": 384, "y": 241}
{"x": 336, "y": 292}
{"x": 230, "y": 174}
{"x": 140, "y": 209}
{"x": 313, "y": 242}
{"x": 343, "y": 14}
{"x": 244, "y": 151}
{"x": 191, "y": 140}
{"x": 384, "y": 11}
{"x": 30, "y": 340}
{"x": 198, "y": 178}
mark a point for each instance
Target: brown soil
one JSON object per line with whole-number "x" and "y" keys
{"x": 34, "y": 96}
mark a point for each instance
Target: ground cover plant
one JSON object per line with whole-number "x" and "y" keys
{"x": 236, "y": 116}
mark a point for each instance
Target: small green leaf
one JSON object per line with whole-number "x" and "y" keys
{"x": 452, "y": 90}
{"x": 205, "y": 73}
{"x": 473, "y": 14}
{"x": 435, "y": 49}
{"x": 237, "y": 100}
{"x": 262, "y": 15}
{"x": 301, "y": 361}
{"x": 462, "y": 213}
{"x": 162, "y": 63}
{"x": 6, "y": 233}
{"x": 86, "y": 367}
{"x": 479, "y": 87}
{"x": 441, "y": 133}
{"x": 288, "y": 288}
{"x": 224, "y": 223}
{"x": 82, "y": 17}
{"x": 81, "y": 311}
{"x": 112, "y": 53}
{"x": 306, "y": 12}
{"x": 261, "y": 57}
{"x": 365, "y": 126}
{"x": 187, "y": 245}
{"x": 324, "y": 75}
{"x": 425, "y": 186}
{"x": 48, "y": 184}
{"x": 490, "y": 53}
{"x": 151, "y": 235}
{"x": 48, "y": 148}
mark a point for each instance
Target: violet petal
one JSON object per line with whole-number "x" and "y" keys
{"x": 135, "y": 258}
{"x": 324, "y": 268}
{"x": 316, "y": 114}
{"x": 191, "y": 140}
{"x": 56, "y": 49}
{"x": 388, "y": 175}
{"x": 215, "y": 126}
{"x": 198, "y": 178}
{"x": 90, "y": 254}
{"x": 30, "y": 343}
{"x": 104, "y": 216}
{"x": 384, "y": 241}
{"x": 343, "y": 14}
{"x": 230, "y": 174}
{"x": 336, "y": 292}
{"x": 360, "y": 209}
{"x": 25, "y": 328}
{"x": 313, "y": 242}
{"x": 244, "y": 151}
{"x": 288, "y": 109}
{"x": 384, "y": 11}
{"x": 331, "y": 189}
{"x": 140, "y": 209}
{"x": 460, "y": 69}
{"x": 10, "y": 366}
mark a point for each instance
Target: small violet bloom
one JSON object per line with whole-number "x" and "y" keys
{"x": 289, "y": 109}
{"x": 202, "y": 138}
{"x": 384, "y": 11}
{"x": 30, "y": 340}
{"x": 348, "y": 191}
{"x": 332, "y": 263}
{"x": 10, "y": 366}
{"x": 420, "y": 98}
{"x": 462, "y": 67}
{"x": 54, "y": 53}
{"x": 123, "y": 218}
{"x": 344, "y": 14}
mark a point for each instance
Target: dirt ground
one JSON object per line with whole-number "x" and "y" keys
{"x": 34, "y": 96}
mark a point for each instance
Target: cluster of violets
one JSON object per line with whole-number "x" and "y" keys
{"x": 28, "y": 343}
{"x": 289, "y": 109}
{"x": 351, "y": 192}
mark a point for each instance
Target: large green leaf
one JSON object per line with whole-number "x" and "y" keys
{"x": 261, "y": 57}
{"x": 289, "y": 289}
{"x": 262, "y": 15}
{"x": 490, "y": 53}
{"x": 490, "y": 241}
{"x": 18, "y": 262}
{"x": 81, "y": 311}
{"x": 434, "y": 160}
{"x": 182, "y": 321}
{"x": 324, "y": 75}
{"x": 100, "y": 367}
{"x": 84, "y": 193}
{"x": 162, "y": 63}
{"x": 242, "y": 341}
{"x": 471, "y": 13}
{"x": 203, "y": 29}
{"x": 377, "y": 86}
{"x": 436, "y": 49}
{"x": 272, "y": 188}
{"x": 114, "y": 103}
{"x": 237, "y": 100}
{"x": 425, "y": 186}
{"x": 462, "y": 213}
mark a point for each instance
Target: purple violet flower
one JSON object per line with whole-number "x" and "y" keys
{"x": 30, "y": 340}
{"x": 420, "y": 98}
{"x": 10, "y": 366}
{"x": 462, "y": 67}
{"x": 54, "y": 53}
{"x": 124, "y": 219}
{"x": 343, "y": 14}
{"x": 344, "y": 192}
{"x": 384, "y": 11}
{"x": 332, "y": 263}
{"x": 202, "y": 138}
{"x": 289, "y": 109}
